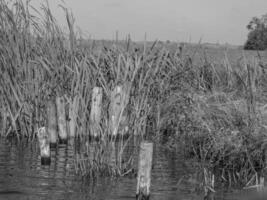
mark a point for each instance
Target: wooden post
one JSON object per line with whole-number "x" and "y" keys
{"x": 209, "y": 180}
{"x": 43, "y": 138}
{"x": 144, "y": 170}
{"x": 119, "y": 101}
{"x": 61, "y": 114}
{"x": 115, "y": 109}
{"x": 112, "y": 156}
{"x": 73, "y": 111}
{"x": 3, "y": 116}
{"x": 260, "y": 184}
{"x": 52, "y": 122}
{"x": 95, "y": 115}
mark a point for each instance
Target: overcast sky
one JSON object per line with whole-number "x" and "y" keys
{"x": 176, "y": 20}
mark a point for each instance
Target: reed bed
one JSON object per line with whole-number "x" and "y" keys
{"x": 215, "y": 111}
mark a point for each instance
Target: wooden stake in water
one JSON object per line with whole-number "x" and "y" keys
{"x": 73, "y": 111}
{"x": 112, "y": 156}
{"x": 144, "y": 170}
{"x": 61, "y": 115}
{"x": 44, "y": 145}
{"x": 4, "y": 116}
{"x": 52, "y": 122}
{"x": 95, "y": 115}
{"x": 116, "y": 108}
{"x": 209, "y": 180}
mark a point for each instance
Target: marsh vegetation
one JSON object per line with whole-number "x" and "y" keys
{"x": 211, "y": 108}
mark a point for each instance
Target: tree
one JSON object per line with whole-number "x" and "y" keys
{"x": 257, "y": 36}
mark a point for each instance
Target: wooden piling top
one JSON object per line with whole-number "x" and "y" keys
{"x": 144, "y": 170}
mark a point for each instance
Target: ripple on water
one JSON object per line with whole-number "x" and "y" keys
{"x": 22, "y": 177}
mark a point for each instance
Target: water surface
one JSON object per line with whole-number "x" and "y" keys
{"x": 23, "y": 177}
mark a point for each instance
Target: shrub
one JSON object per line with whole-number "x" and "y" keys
{"x": 257, "y": 37}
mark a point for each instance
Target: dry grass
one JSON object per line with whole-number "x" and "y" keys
{"x": 214, "y": 104}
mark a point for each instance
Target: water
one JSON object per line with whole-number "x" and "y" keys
{"x": 23, "y": 177}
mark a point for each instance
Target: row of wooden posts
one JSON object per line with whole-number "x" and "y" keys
{"x": 56, "y": 114}
{"x": 144, "y": 163}
{"x": 56, "y": 129}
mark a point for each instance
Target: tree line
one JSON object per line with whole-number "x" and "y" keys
{"x": 257, "y": 36}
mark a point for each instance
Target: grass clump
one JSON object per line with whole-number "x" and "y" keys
{"x": 215, "y": 111}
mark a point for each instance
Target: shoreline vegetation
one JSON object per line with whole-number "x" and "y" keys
{"x": 215, "y": 112}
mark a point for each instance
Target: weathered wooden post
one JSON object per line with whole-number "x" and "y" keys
{"x": 52, "y": 122}
{"x": 3, "y": 116}
{"x": 118, "y": 118}
{"x": 112, "y": 156}
{"x": 95, "y": 115}
{"x": 115, "y": 109}
{"x": 209, "y": 180}
{"x": 73, "y": 110}
{"x": 260, "y": 184}
{"x": 44, "y": 145}
{"x": 62, "y": 124}
{"x": 144, "y": 170}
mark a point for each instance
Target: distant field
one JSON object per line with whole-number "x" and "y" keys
{"x": 214, "y": 53}
{"x": 218, "y": 53}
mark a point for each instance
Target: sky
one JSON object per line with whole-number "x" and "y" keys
{"x": 212, "y": 21}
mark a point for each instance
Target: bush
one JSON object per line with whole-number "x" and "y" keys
{"x": 257, "y": 37}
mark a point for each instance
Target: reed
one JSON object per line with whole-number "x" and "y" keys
{"x": 168, "y": 94}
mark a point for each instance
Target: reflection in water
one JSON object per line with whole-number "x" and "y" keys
{"x": 22, "y": 176}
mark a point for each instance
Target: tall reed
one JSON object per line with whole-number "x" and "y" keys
{"x": 168, "y": 94}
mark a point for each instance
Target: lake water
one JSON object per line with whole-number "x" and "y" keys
{"x": 23, "y": 177}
